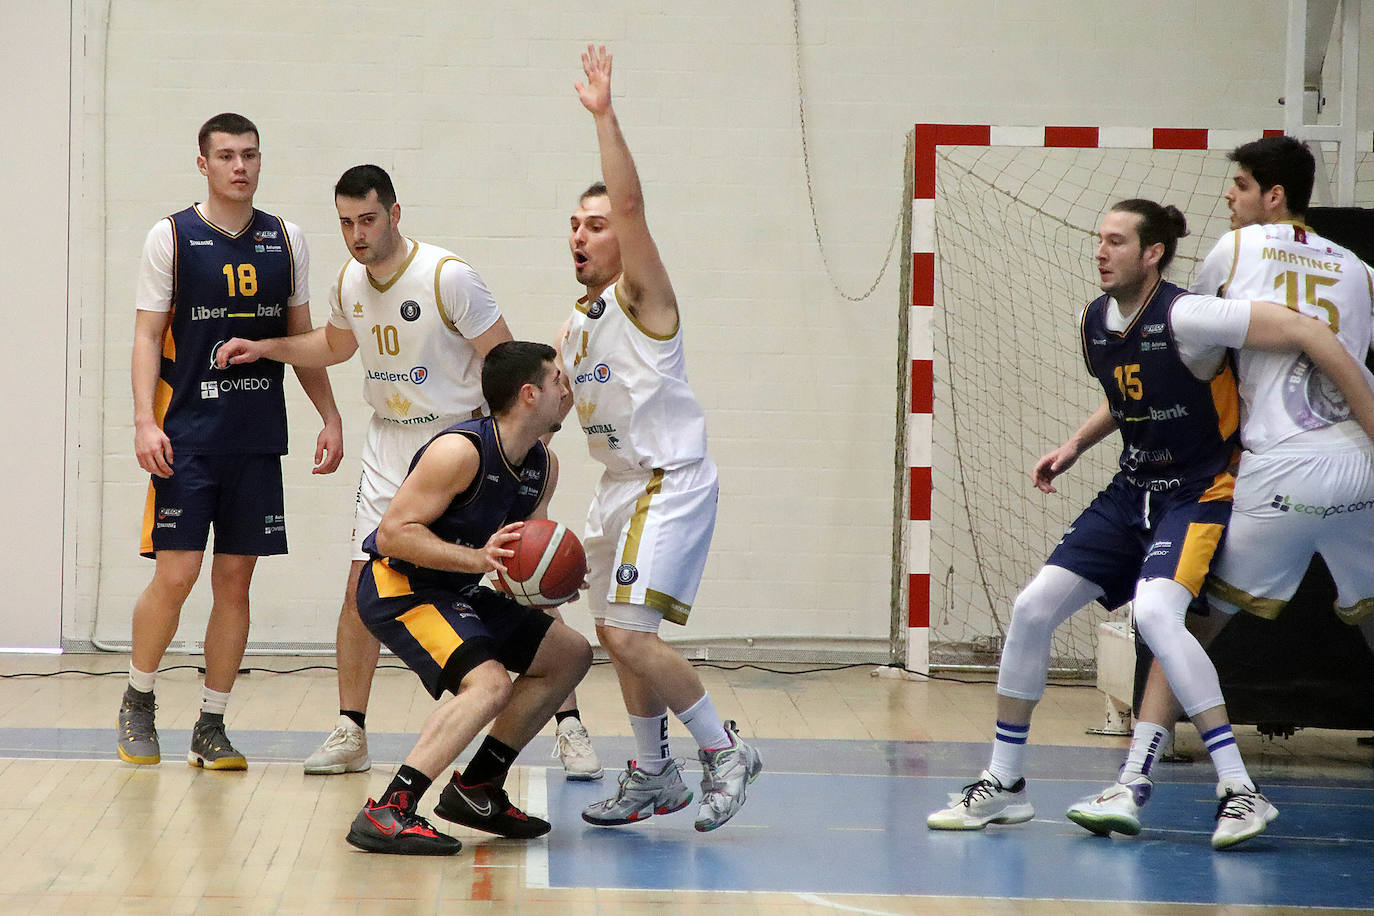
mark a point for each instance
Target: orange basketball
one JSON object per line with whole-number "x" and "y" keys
{"x": 548, "y": 566}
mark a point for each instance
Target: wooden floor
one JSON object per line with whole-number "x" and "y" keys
{"x": 89, "y": 834}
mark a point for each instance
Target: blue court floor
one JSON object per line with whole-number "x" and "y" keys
{"x": 848, "y": 817}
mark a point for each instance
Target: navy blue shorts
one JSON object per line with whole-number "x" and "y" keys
{"x": 1127, "y": 534}
{"x": 443, "y": 633}
{"x": 239, "y": 495}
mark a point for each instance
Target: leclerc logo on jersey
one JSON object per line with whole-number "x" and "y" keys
{"x": 601, "y": 373}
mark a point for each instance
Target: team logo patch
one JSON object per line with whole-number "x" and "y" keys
{"x": 597, "y": 308}
{"x": 264, "y": 234}
{"x": 626, "y": 573}
{"x": 410, "y": 310}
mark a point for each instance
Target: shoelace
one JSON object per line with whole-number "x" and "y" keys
{"x": 215, "y": 737}
{"x": 1237, "y": 805}
{"x": 577, "y": 742}
{"x": 976, "y": 791}
{"x": 340, "y": 737}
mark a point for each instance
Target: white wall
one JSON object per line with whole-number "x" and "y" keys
{"x": 471, "y": 108}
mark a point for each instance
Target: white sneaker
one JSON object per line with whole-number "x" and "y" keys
{"x": 344, "y": 751}
{"x": 1242, "y": 813}
{"x": 1117, "y": 809}
{"x": 725, "y": 776}
{"x": 983, "y": 802}
{"x": 573, "y": 746}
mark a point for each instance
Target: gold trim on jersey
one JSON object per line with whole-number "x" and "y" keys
{"x": 673, "y": 610}
{"x": 439, "y": 299}
{"x": 390, "y": 583}
{"x": 1199, "y": 546}
{"x": 635, "y": 532}
{"x": 434, "y": 634}
{"x": 225, "y": 232}
{"x": 1235, "y": 261}
{"x": 1266, "y": 608}
{"x": 1226, "y": 400}
{"x": 1223, "y": 488}
{"x": 581, "y": 306}
{"x": 1357, "y": 613}
{"x": 400, "y": 271}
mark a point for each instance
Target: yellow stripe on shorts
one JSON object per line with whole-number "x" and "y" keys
{"x": 636, "y": 530}
{"x": 1199, "y": 546}
{"x": 434, "y": 634}
{"x": 390, "y": 583}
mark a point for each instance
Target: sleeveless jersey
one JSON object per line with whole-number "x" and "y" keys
{"x": 418, "y": 364}
{"x": 500, "y": 494}
{"x": 630, "y": 389}
{"x": 1284, "y": 394}
{"x": 225, "y": 286}
{"x": 1175, "y": 429}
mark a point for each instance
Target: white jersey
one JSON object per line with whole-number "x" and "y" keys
{"x": 413, "y": 335}
{"x": 630, "y": 389}
{"x": 1283, "y": 395}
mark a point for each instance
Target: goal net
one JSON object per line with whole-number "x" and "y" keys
{"x": 1015, "y": 213}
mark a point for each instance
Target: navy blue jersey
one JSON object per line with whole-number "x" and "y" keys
{"x": 225, "y": 286}
{"x": 500, "y": 494}
{"x": 1175, "y": 429}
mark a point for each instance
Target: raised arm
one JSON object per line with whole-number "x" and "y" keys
{"x": 309, "y": 349}
{"x": 644, "y": 280}
{"x": 1273, "y": 327}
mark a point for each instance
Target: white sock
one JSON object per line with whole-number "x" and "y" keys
{"x": 214, "y": 702}
{"x": 1009, "y": 753}
{"x": 651, "y": 742}
{"x": 142, "y": 681}
{"x": 704, "y": 723}
{"x": 1221, "y": 744}
{"x": 1146, "y": 741}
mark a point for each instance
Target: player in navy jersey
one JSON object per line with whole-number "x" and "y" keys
{"x": 451, "y": 522}
{"x": 213, "y": 438}
{"x": 1161, "y": 356}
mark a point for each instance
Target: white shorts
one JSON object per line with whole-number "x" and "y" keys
{"x": 1289, "y": 504}
{"x": 387, "y": 452}
{"x": 647, "y": 537}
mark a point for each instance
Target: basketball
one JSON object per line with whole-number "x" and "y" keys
{"x": 548, "y": 566}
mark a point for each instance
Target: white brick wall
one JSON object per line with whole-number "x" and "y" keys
{"x": 473, "y": 112}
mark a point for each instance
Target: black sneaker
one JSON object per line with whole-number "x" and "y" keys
{"x": 485, "y": 807}
{"x": 392, "y": 829}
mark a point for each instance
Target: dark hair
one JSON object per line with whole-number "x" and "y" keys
{"x": 1158, "y": 225}
{"x": 1284, "y": 161}
{"x": 360, "y": 179}
{"x": 595, "y": 189}
{"x": 226, "y": 123}
{"x": 511, "y": 365}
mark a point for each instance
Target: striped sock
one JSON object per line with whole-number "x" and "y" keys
{"x": 1221, "y": 744}
{"x": 1009, "y": 752}
{"x": 1145, "y": 745}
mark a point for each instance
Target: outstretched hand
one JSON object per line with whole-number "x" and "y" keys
{"x": 596, "y": 92}
{"x": 1051, "y": 465}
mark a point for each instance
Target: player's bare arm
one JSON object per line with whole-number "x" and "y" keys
{"x": 447, "y": 468}
{"x": 315, "y": 382}
{"x": 644, "y": 282}
{"x": 151, "y": 445}
{"x": 1097, "y": 427}
{"x": 1273, "y": 327}
{"x": 313, "y": 349}
{"x": 497, "y": 333}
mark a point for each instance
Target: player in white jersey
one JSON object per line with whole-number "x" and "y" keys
{"x": 422, "y": 320}
{"x": 650, "y": 522}
{"x": 1305, "y": 483}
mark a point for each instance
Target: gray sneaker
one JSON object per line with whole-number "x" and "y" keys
{"x": 725, "y": 774}
{"x": 641, "y": 795}
{"x": 137, "y": 734}
{"x": 573, "y": 747}
{"x": 210, "y": 747}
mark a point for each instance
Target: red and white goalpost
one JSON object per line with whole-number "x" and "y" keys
{"x": 1002, "y": 225}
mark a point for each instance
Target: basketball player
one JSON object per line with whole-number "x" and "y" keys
{"x": 212, "y": 438}
{"x": 422, "y": 320}
{"x": 651, "y": 520}
{"x": 1306, "y": 478}
{"x": 453, "y": 520}
{"x": 1160, "y": 355}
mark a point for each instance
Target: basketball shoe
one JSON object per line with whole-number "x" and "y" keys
{"x": 1116, "y": 809}
{"x": 1242, "y": 813}
{"x": 137, "y": 733}
{"x": 210, "y": 747}
{"x": 573, "y": 746}
{"x": 487, "y": 807}
{"x": 641, "y": 795}
{"x": 725, "y": 775}
{"x": 985, "y": 801}
{"x": 344, "y": 751}
{"x": 396, "y": 828}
